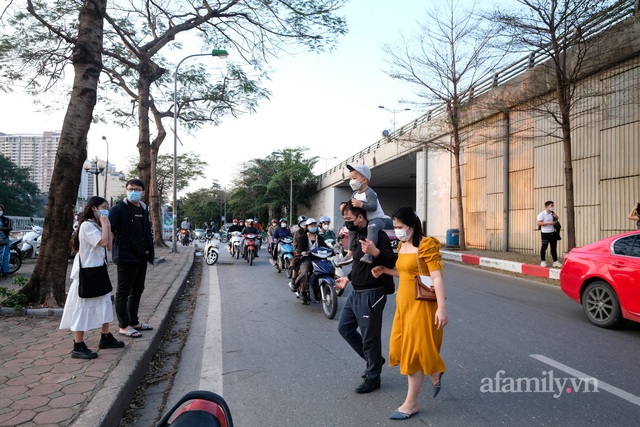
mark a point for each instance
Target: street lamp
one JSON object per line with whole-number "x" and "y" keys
{"x": 220, "y": 53}
{"x": 278, "y": 153}
{"x": 394, "y": 111}
{"x": 104, "y": 138}
{"x": 95, "y": 167}
{"x": 326, "y": 162}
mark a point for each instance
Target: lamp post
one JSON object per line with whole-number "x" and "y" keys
{"x": 104, "y": 138}
{"x": 279, "y": 153}
{"x": 326, "y": 162}
{"x": 215, "y": 52}
{"x": 394, "y": 111}
{"x": 95, "y": 167}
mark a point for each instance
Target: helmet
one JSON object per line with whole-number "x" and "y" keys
{"x": 235, "y": 221}
{"x": 284, "y": 220}
{"x": 274, "y": 221}
{"x": 311, "y": 221}
{"x": 248, "y": 220}
{"x": 301, "y": 219}
{"x": 325, "y": 219}
{"x": 186, "y": 218}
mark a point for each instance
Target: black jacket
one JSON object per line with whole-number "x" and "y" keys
{"x": 129, "y": 248}
{"x": 360, "y": 275}
{"x": 303, "y": 243}
{"x": 6, "y": 225}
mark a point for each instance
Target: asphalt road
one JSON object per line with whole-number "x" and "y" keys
{"x": 518, "y": 353}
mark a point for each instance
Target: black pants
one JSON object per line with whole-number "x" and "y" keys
{"x": 131, "y": 279}
{"x": 549, "y": 239}
{"x": 364, "y": 310}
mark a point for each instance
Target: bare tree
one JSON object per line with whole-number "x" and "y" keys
{"x": 555, "y": 30}
{"x": 450, "y": 55}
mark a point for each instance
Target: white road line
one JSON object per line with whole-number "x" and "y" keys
{"x": 577, "y": 374}
{"x": 211, "y": 373}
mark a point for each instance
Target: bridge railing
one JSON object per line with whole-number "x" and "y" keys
{"x": 615, "y": 14}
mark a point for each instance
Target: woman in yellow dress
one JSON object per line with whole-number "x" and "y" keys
{"x": 416, "y": 334}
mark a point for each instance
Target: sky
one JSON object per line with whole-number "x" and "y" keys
{"x": 327, "y": 102}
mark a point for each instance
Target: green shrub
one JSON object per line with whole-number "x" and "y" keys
{"x": 11, "y": 298}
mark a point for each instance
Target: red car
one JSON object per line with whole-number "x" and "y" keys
{"x": 343, "y": 235}
{"x": 605, "y": 278}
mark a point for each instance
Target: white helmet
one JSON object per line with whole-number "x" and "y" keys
{"x": 311, "y": 221}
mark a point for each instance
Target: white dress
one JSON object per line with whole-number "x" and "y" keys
{"x": 83, "y": 314}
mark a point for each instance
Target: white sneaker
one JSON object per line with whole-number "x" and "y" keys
{"x": 557, "y": 264}
{"x": 543, "y": 264}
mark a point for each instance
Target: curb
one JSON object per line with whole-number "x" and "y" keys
{"x": 500, "y": 264}
{"x": 112, "y": 399}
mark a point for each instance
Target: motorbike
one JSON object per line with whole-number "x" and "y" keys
{"x": 184, "y": 237}
{"x": 321, "y": 282}
{"x": 15, "y": 257}
{"x": 31, "y": 242}
{"x": 338, "y": 261}
{"x": 284, "y": 259}
{"x": 250, "y": 247}
{"x": 234, "y": 244}
{"x": 224, "y": 237}
{"x": 202, "y": 409}
{"x": 211, "y": 247}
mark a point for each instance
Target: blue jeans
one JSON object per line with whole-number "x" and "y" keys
{"x": 5, "y": 254}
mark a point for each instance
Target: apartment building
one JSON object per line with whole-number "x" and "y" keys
{"x": 37, "y": 152}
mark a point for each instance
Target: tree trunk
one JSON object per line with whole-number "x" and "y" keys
{"x": 47, "y": 283}
{"x": 570, "y": 222}
{"x": 456, "y": 159}
{"x": 155, "y": 196}
{"x": 144, "y": 136}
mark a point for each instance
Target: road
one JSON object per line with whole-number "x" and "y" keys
{"x": 278, "y": 362}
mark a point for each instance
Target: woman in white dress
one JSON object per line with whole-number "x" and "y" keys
{"x": 89, "y": 243}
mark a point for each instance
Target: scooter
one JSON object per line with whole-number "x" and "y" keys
{"x": 284, "y": 259}
{"x": 338, "y": 261}
{"x": 250, "y": 247}
{"x": 204, "y": 409}
{"x": 211, "y": 248}
{"x": 321, "y": 282}
{"x": 234, "y": 244}
{"x": 31, "y": 242}
{"x": 15, "y": 257}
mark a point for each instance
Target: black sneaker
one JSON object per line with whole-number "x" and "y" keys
{"x": 368, "y": 386}
{"x": 80, "y": 351}
{"x": 109, "y": 341}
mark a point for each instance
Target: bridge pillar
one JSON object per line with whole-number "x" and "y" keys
{"x": 421, "y": 186}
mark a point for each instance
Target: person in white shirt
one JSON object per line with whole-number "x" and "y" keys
{"x": 546, "y": 221}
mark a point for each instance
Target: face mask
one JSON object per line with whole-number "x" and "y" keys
{"x": 104, "y": 212}
{"x": 1, "y": 213}
{"x": 283, "y": 224}
{"x": 312, "y": 229}
{"x": 552, "y": 209}
{"x": 401, "y": 234}
{"x": 350, "y": 226}
{"x": 355, "y": 184}
{"x": 325, "y": 227}
{"x": 134, "y": 196}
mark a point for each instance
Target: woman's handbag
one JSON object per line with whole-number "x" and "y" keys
{"x": 423, "y": 285}
{"x": 94, "y": 281}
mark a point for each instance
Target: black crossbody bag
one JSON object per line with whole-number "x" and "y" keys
{"x": 94, "y": 281}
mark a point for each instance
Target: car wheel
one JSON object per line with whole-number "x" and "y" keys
{"x": 601, "y": 305}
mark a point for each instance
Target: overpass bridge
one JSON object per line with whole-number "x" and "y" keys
{"x": 512, "y": 160}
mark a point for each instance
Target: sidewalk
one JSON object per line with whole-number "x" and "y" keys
{"x": 41, "y": 385}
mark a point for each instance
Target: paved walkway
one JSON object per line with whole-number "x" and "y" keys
{"x": 41, "y": 385}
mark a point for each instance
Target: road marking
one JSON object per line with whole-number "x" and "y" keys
{"x": 577, "y": 374}
{"x": 211, "y": 373}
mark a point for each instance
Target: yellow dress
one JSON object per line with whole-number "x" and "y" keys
{"x": 415, "y": 341}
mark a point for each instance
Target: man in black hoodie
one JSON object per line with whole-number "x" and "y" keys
{"x": 365, "y": 305}
{"x": 132, "y": 250}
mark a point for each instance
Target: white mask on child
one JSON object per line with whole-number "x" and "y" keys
{"x": 355, "y": 184}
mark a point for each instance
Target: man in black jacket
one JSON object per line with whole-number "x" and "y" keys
{"x": 365, "y": 305}
{"x": 132, "y": 250}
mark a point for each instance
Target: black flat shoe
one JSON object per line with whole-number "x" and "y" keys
{"x": 437, "y": 386}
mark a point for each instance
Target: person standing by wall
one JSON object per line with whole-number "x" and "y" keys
{"x": 634, "y": 215}
{"x": 417, "y": 331}
{"x": 132, "y": 250}
{"x": 5, "y": 243}
{"x": 365, "y": 305}
{"x": 546, "y": 221}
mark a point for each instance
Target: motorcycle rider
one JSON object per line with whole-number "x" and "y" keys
{"x": 279, "y": 233}
{"x": 234, "y": 227}
{"x": 299, "y": 232}
{"x": 186, "y": 225}
{"x": 309, "y": 240}
{"x": 248, "y": 229}
{"x": 270, "y": 230}
{"x": 325, "y": 231}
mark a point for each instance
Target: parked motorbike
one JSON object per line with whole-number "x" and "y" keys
{"x": 234, "y": 244}
{"x": 284, "y": 259}
{"x": 211, "y": 247}
{"x": 250, "y": 247}
{"x": 321, "y": 282}
{"x": 31, "y": 242}
{"x": 15, "y": 257}
{"x": 184, "y": 237}
{"x": 204, "y": 409}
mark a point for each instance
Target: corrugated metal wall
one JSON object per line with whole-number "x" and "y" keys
{"x": 606, "y": 165}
